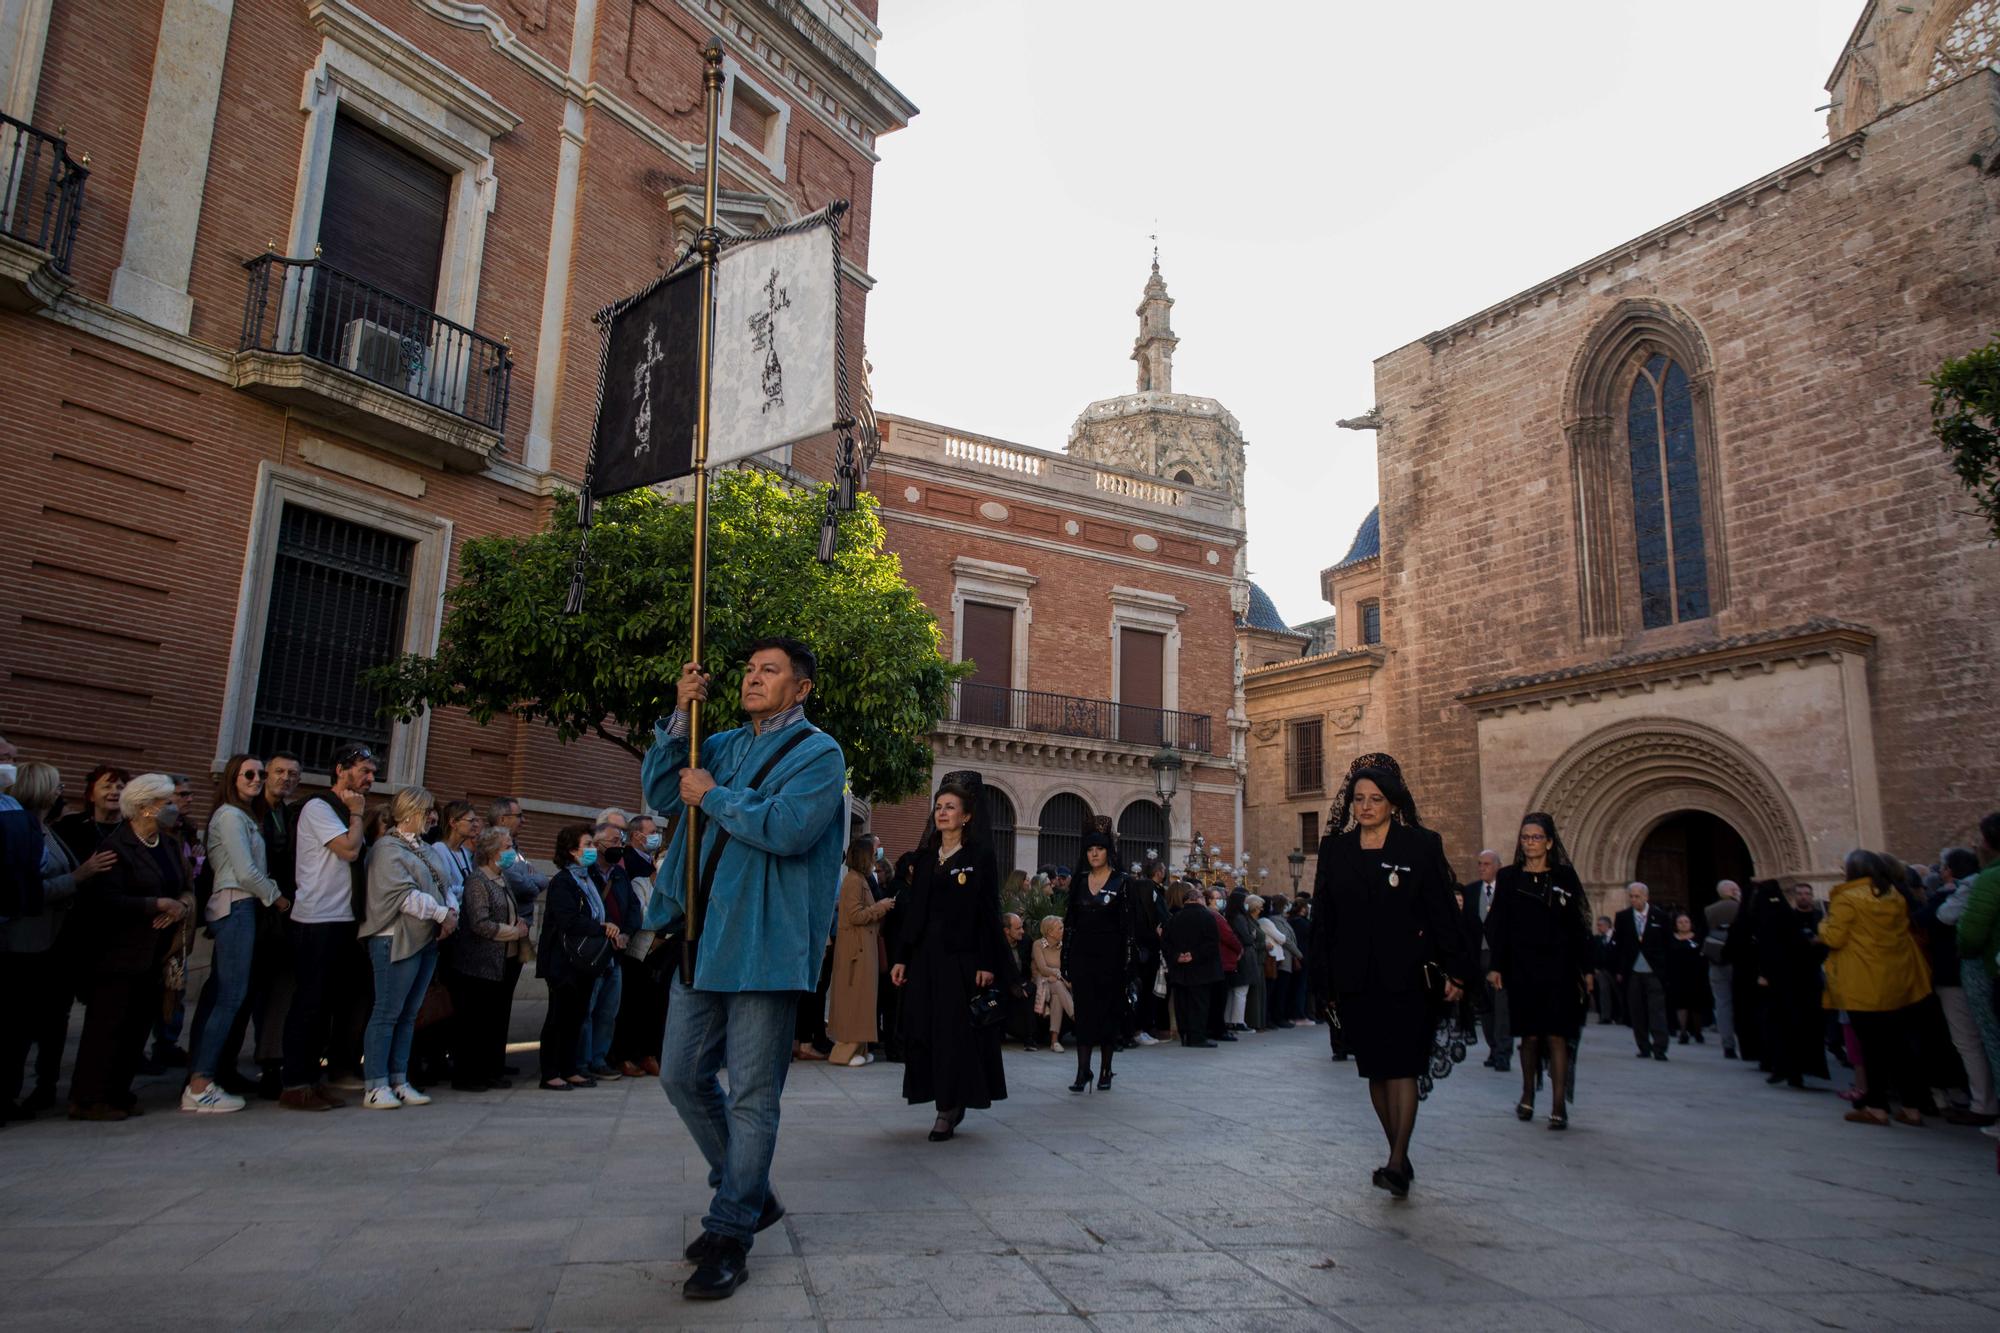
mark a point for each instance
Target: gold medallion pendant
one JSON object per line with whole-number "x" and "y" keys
{"x": 961, "y": 877}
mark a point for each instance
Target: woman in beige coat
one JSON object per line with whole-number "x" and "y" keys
{"x": 856, "y": 958}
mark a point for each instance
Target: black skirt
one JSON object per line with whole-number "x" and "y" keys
{"x": 1389, "y": 1033}
{"x": 945, "y": 1058}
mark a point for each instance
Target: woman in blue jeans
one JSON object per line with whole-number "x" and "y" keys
{"x": 243, "y": 888}
{"x": 406, "y": 918}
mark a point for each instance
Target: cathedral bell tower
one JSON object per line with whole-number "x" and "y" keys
{"x": 1176, "y": 437}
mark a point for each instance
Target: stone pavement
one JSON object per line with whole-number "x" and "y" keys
{"x": 1214, "y": 1190}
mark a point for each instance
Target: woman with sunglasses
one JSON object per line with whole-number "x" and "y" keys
{"x": 237, "y": 859}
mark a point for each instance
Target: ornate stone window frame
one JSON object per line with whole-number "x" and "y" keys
{"x": 1159, "y": 612}
{"x": 997, "y": 585}
{"x": 370, "y": 73}
{"x": 277, "y": 487}
{"x": 1600, "y": 380}
{"x": 771, "y": 153}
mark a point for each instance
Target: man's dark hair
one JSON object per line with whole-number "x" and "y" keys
{"x": 350, "y": 754}
{"x": 1989, "y": 831}
{"x": 804, "y": 665}
{"x": 286, "y": 755}
{"x": 1961, "y": 862}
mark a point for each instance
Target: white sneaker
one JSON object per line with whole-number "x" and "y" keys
{"x": 1056, "y": 1046}
{"x": 381, "y": 1099}
{"x": 211, "y": 1100}
{"x": 1147, "y": 1039}
{"x": 409, "y": 1096}
{"x": 857, "y": 1062}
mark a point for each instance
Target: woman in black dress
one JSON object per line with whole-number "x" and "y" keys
{"x": 1789, "y": 956}
{"x": 1538, "y": 935}
{"x": 1097, "y": 954}
{"x": 1386, "y": 945}
{"x": 1687, "y": 980}
{"x": 950, "y": 949}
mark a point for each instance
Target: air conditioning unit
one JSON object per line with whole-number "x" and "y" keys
{"x": 378, "y": 352}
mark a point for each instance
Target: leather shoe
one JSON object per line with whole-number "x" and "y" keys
{"x": 1227, "y": 1036}
{"x": 724, "y": 1267}
{"x": 773, "y": 1212}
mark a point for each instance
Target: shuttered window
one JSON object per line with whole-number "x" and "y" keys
{"x": 384, "y": 214}
{"x": 1305, "y": 757}
{"x": 986, "y": 639}
{"x": 339, "y": 602}
{"x": 1142, "y": 660}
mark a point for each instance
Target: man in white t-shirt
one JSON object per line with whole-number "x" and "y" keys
{"x": 329, "y": 846}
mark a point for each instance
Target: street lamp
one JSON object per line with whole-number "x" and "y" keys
{"x": 1166, "y": 766}
{"x": 1297, "y": 862}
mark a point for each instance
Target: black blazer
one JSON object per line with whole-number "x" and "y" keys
{"x": 1626, "y": 946}
{"x": 119, "y": 905}
{"x": 959, "y": 925}
{"x": 1192, "y": 931}
{"x": 565, "y": 912}
{"x": 1365, "y": 940}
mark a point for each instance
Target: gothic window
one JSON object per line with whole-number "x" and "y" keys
{"x": 1666, "y": 496}
{"x": 1972, "y": 43}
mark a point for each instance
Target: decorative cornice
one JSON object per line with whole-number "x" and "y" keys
{"x": 1716, "y": 211}
{"x": 861, "y": 81}
{"x": 1643, "y": 672}
{"x": 342, "y": 22}
{"x": 1062, "y": 752}
{"x": 1347, "y": 662}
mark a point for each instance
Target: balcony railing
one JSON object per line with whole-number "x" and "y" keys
{"x": 41, "y": 190}
{"x": 1086, "y": 719}
{"x": 306, "y": 307}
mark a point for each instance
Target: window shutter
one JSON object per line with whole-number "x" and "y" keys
{"x": 384, "y": 214}
{"x": 986, "y": 638}
{"x": 1142, "y": 662}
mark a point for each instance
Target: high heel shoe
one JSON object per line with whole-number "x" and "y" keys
{"x": 1104, "y": 1081}
{"x": 1558, "y": 1120}
{"x": 940, "y": 1135}
{"x": 1524, "y": 1110}
{"x": 1082, "y": 1083}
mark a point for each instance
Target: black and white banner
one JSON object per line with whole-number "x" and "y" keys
{"x": 775, "y": 370}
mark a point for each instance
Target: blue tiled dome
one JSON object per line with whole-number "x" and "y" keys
{"x": 1367, "y": 543}
{"x": 1264, "y": 611}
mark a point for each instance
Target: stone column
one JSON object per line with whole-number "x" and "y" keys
{"x": 562, "y": 250}
{"x": 24, "y": 33}
{"x": 167, "y": 189}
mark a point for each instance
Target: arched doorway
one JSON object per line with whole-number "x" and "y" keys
{"x": 1061, "y": 841}
{"x": 1141, "y": 829}
{"x": 1685, "y": 854}
{"x": 996, "y": 815}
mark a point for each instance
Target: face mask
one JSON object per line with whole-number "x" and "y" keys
{"x": 588, "y": 856}
{"x": 508, "y": 858}
{"x": 169, "y": 816}
{"x": 8, "y": 772}
{"x": 652, "y": 842}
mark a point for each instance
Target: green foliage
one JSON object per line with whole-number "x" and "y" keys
{"x": 507, "y": 648}
{"x": 1965, "y": 416}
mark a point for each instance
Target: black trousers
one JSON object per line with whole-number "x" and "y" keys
{"x": 120, "y": 1009}
{"x": 36, "y": 992}
{"x": 1218, "y": 1009}
{"x": 642, "y": 1009}
{"x": 320, "y": 952}
{"x": 479, "y": 1024}
{"x": 567, "y": 1001}
{"x": 1646, "y": 1006}
{"x": 888, "y": 1012}
{"x": 1191, "y": 1006}
{"x": 810, "y": 1027}
{"x": 1889, "y": 1044}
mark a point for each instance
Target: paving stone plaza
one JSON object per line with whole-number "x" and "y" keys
{"x": 1213, "y": 1190}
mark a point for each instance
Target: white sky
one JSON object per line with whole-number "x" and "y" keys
{"x": 1331, "y": 180}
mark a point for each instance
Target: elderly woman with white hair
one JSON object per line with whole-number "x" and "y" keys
{"x": 407, "y": 916}
{"x": 129, "y": 927}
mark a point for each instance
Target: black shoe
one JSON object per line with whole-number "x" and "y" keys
{"x": 270, "y": 1087}
{"x": 1643, "y": 1053}
{"x": 1524, "y": 1110}
{"x": 1559, "y": 1120}
{"x": 1504, "y": 1066}
{"x": 698, "y": 1248}
{"x": 1082, "y": 1083}
{"x": 1700, "y": 1040}
{"x": 1227, "y": 1036}
{"x": 1729, "y": 1052}
{"x": 1774, "y": 1078}
{"x": 724, "y": 1267}
{"x": 1661, "y": 1056}
{"x": 1104, "y": 1081}
{"x": 1396, "y": 1182}
{"x": 772, "y": 1213}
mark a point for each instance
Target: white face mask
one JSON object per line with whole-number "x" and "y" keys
{"x": 8, "y": 772}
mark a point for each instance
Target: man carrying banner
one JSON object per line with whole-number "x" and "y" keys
{"x": 771, "y": 797}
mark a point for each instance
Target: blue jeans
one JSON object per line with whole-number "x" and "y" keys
{"x": 228, "y": 984}
{"x": 600, "y": 1018}
{"x": 749, "y": 1032}
{"x": 392, "y": 1024}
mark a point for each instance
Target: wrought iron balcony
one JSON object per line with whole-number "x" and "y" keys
{"x": 308, "y": 310}
{"x": 1084, "y": 719}
{"x": 41, "y": 199}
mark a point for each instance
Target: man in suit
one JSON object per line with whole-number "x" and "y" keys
{"x": 1639, "y": 948}
{"x": 1610, "y": 1002}
{"x": 1018, "y": 983}
{"x": 1492, "y": 1003}
{"x": 1719, "y": 916}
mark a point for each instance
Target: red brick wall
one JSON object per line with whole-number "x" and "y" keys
{"x": 1826, "y": 305}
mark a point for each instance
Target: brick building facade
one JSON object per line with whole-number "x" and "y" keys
{"x": 1667, "y": 548}
{"x": 233, "y": 480}
{"x": 1096, "y": 591}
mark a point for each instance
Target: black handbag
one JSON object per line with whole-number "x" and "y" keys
{"x": 989, "y": 1007}
{"x": 588, "y": 954}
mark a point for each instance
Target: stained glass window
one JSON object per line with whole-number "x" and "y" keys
{"x": 1666, "y": 496}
